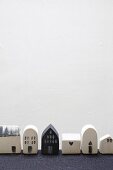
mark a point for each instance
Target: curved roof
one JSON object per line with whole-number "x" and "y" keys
{"x": 108, "y": 136}
{"x": 86, "y": 127}
{"x": 50, "y": 127}
{"x": 32, "y": 127}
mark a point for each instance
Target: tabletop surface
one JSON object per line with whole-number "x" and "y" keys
{"x": 60, "y": 162}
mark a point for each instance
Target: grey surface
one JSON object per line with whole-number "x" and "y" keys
{"x": 60, "y": 162}
{"x": 56, "y": 64}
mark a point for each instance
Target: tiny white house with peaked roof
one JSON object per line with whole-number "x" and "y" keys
{"x": 30, "y": 140}
{"x": 71, "y": 143}
{"x": 10, "y": 140}
{"x": 89, "y": 140}
{"x": 106, "y": 145}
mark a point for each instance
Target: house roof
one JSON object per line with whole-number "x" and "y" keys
{"x": 86, "y": 127}
{"x": 50, "y": 127}
{"x": 105, "y": 137}
{"x": 71, "y": 136}
{"x": 32, "y": 127}
{"x": 9, "y": 131}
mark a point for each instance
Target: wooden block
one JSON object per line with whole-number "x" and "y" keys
{"x": 106, "y": 145}
{"x": 30, "y": 140}
{"x": 71, "y": 143}
{"x": 10, "y": 140}
{"x": 89, "y": 140}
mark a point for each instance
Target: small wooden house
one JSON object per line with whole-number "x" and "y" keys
{"x": 50, "y": 141}
{"x": 106, "y": 145}
{"x": 89, "y": 140}
{"x": 71, "y": 143}
{"x": 30, "y": 140}
{"x": 10, "y": 140}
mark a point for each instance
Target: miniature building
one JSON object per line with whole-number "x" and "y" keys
{"x": 106, "y": 145}
{"x": 89, "y": 141}
{"x": 10, "y": 140}
{"x": 30, "y": 140}
{"x": 50, "y": 141}
{"x": 71, "y": 143}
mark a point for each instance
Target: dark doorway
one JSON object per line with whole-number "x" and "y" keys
{"x": 50, "y": 149}
{"x": 90, "y": 147}
{"x": 13, "y": 149}
{"x": 29, "y": 149}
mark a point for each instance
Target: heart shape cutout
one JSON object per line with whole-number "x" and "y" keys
{"x": 71, "y": 143}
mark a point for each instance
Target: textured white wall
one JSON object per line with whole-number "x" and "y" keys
{"x": 56, "y": 64}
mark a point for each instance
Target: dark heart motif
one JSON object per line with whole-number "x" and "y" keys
{"x": 71, "y": 143}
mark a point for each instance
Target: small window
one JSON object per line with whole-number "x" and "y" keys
{"x": 50, "y": 132}
{"x": 110, "y": 140}
{"x": 34, "y": 142}
{"x": 29, "y": 149}
{"x": 31, "y": 137}
{"x": 25, "y": 137}
{"x": 25, "y": 142}
{"x": 34, "y": 137}
{"x": 107, "y": 140}
{"x": 55, "y": 141}
{"x": 13, "y": 149}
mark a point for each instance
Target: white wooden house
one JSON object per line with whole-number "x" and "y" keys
{"x": 71, "y": 143}
{"x": 30, "y": 140}
{"x": 106, "y": 145}
{"x": 89, "y": 140}
{"x": 10, "y": 140}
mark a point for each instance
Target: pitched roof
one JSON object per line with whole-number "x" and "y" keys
{"x": 50, "y": 127}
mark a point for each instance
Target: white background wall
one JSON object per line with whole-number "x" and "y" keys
{"x": 56, "y": 64}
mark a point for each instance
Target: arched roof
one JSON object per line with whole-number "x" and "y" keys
{"x": 32, "y": 127}
{"x": 86, "y": 127}
{"x": 108, "y": 136}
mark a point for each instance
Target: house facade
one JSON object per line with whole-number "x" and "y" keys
{"x": 71, "y": 143}
{"x": 30, "y": 140}
{"x": 106, "y": 145}
{"x": 89, "y": 140}
{"x": 50, "y": 141}
{"x": 10, "y": 139}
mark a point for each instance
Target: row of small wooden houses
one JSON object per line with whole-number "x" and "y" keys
{"x": 86, "y": 142}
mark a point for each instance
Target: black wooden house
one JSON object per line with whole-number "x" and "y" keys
{"x": 50, "y": 141}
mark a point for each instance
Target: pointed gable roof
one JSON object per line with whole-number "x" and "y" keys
{"x": 48, "y": 128}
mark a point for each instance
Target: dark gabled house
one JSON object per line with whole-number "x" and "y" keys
{"x": 50, "y": 141}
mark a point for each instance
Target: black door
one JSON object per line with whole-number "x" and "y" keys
{"x": 29, "y": 149}
{"x": 50, "y": 149}
{"x": 90, "y": 147}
